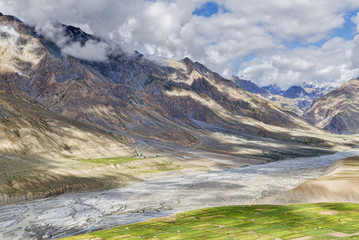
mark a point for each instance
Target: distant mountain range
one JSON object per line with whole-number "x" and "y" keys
{"x": 296, "y": 98}
{"x": 334, "y": 110}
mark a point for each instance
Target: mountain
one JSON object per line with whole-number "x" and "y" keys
{"x": 296, "y": 99}
{"x": 338, "y": 110}
{"x": 169, "y": 101}
{"x": 314, "y": 91}
{"x": 274, "y": 89}
{"x": 250, "y": 86}
{"x": 295, "y": 92}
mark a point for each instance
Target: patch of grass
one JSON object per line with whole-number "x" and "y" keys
{"x": 109, "y": 161}
{"x": 245, "y": 222}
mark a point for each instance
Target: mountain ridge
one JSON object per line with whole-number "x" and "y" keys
{"x": 337, "y": 111}
{"x": 174, "y": 101}
{"x": 296, "y": 98}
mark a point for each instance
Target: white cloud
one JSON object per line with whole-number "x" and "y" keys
{"x": 249, "y": 28}
{"x": 330, "y": 63}
{"x": 92, "y": 50}
{"x": 355, "y": 19}
{"x": 355, "y": 52}
{"x": 304, "y": 19}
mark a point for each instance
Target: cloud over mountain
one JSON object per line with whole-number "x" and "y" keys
{"x": 279, "y": 41}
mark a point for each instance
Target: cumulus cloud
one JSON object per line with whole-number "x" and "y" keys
{"x": 242, "y": 29}
{"x": 330, "y": 63}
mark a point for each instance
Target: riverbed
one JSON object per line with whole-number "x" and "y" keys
{"x": 77, "y": 213}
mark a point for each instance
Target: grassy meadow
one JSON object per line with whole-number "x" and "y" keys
{"x": 297, "y": 221}
{"x": 109, "y": 161}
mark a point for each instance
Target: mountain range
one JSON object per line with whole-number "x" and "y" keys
{"x": 173, "y": 101}
{"x": 334, "y": 110}
{"x": 296, "y": 98}
{"x": 54, "y": 105}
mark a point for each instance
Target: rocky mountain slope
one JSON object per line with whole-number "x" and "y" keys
{"x": 337, "y": 111}
{"x": 30, "y": 129}
{"x": 251, "y": 87}
{"x": 177, "y": 102}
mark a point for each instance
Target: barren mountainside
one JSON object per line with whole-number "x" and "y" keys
{"x": 168, "y": 100}
{"x": 337, "y": 111}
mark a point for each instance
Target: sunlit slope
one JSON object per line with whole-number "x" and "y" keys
{"x": 338, "y": 184}
{"x": 30, "y": 129}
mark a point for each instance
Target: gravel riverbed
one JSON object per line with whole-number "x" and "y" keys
{"x": 76, "y": 213}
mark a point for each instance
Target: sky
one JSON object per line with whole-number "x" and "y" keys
{"x": 283, "y": 42}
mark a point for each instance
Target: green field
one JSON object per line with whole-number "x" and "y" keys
{"x": 298, "y": 221}
{"x": 109, "y": 161}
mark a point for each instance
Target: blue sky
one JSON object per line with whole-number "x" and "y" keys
{"x": 208, "y": 9}
{"x": 278, "y": 41}
{"x": 348, "y": 30}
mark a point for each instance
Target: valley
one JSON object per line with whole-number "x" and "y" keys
{"x": 94, "y": 136}
{"x": 77, "y": 213}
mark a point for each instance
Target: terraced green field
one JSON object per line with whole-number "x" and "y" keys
{"x": 298, "y": 221}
